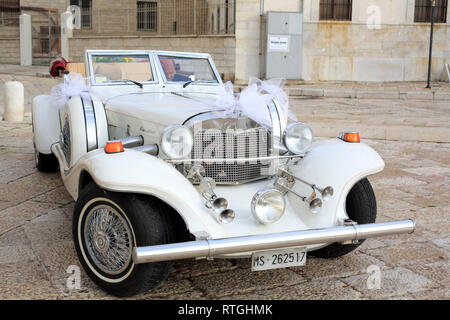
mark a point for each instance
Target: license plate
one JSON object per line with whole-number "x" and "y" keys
{"x": 281, "y": 258}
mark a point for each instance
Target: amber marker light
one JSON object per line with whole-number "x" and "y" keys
{"x": 113, "y": 147}
{"x": 352, "y": 137}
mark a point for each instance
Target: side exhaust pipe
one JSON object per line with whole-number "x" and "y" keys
{"x": 211, "y": 248}
{"x": 131, "y": 142}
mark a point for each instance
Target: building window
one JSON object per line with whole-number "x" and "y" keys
{"x": 336, "y": 10}
{"x": 147, "y": 16}
{"x": 422, "y": 12}
{"x": 218, "y": 20}
{"x": 9, "y": 12}
{"x": 86, "y": 12}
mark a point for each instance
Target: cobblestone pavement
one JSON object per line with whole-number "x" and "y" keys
{"x": 405, "y": 120}
{"x": 36, "y": 244}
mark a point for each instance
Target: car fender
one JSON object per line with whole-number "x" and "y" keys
{"x": 133, "y": 171}
{"x": 45, "y": 120}
{"x": 337, "y": 164}
{"x": 83, "y": 125}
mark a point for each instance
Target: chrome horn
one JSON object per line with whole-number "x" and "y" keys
{"x": 326, "y": 193}
{"x": 314, "y": 203}
{"x": 219, "y": 205}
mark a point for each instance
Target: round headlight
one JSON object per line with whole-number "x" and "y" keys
{"x": 298, "y": 137}
{"x": 177, "y": 141}
{"x": 268, "y": 205}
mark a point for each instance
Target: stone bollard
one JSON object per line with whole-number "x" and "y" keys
{"x": 14, "y": 101}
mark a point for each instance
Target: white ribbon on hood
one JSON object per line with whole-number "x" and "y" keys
{"x": 74, "y": 86}
{"x": 253, "y": 100}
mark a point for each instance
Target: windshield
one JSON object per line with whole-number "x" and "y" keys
{"x": 183, "y": 69}
{"x": 115, "y": 68}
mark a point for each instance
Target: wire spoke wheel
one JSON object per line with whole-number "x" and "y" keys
{"x": 108, "y": 239}
{"x": 106, "y": 227}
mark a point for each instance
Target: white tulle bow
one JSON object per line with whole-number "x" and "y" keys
{"x": 253, "y": 100}
{"x": 74, "y": 86}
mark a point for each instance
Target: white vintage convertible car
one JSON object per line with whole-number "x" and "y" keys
{"x": 166, "y": 163}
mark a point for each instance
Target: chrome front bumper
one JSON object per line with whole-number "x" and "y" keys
{"x": 212, "y": 248}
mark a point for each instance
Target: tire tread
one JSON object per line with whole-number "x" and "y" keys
{"x": 46, "y": 163}
{"x": 361, "y": 208}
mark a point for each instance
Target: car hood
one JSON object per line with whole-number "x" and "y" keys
{"x": 162, "y": 108}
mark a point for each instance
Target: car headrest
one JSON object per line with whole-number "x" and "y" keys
{"x": 111, "y": 71}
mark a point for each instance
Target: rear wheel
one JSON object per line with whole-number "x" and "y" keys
{"x": 106, "y": 228}
{"x": 45, "y": 162}
{"x": 361, "y": 207}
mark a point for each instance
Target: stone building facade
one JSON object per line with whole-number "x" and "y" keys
{"x": 381, "y": 41}
{"x": 177, "y": 25}
{"x": 342, "y": 40}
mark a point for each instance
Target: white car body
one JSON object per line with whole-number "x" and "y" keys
{"x": 126, "y": 110}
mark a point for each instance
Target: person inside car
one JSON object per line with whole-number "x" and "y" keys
{"x": 170, "y": 71}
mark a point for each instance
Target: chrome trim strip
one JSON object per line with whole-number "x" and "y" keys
{"x": 236, "y": 160}
{"x": 59, "y": 154}
{"x": 276, "y": 134}
{"x": 276, "y": 125}
{"x": 211, "y": 248}
{"x": 91, "y": 125}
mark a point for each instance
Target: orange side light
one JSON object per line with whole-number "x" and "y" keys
{"x": 352, "y": 137}
{"x": 114, "y": 147}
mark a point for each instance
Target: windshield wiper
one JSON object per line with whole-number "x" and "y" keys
{"x": 197, "y": 81}
{"x": 135, "y": 82}
{"x": 140, "y": 85}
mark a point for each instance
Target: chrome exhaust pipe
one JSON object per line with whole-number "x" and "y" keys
{"x": 151, "y": 149}
{"x": 131, "y": 142}
{"x": 212, "y": 248}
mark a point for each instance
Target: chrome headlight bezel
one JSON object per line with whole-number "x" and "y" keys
{"x": 263, "y": 194}
{"x": 306, "y": 135}
{"x": 167, "y": 142}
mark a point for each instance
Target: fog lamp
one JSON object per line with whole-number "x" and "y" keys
{"x": 268, "y": 205}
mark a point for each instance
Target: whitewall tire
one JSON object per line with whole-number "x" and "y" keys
{"x": 107, "y": 226}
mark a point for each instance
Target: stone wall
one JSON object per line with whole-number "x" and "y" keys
{"x": 351, "y": 52}
{"x": 392, "y": 48}
{"x": 9, "y": 45}
{"x": 381, "y": 43}
{"x": 247, "y": 39}
{"x": 221, "y": 48}
{"x": 174, "y": 17}
{"x": 10, "y": 51}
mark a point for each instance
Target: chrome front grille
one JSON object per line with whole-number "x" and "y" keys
{"x": 233, "y": 144}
